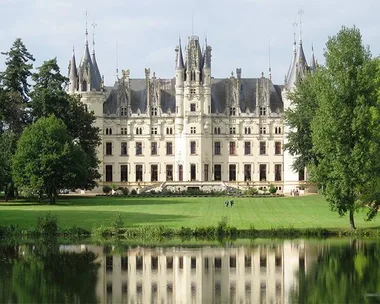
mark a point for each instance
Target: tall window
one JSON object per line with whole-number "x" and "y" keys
{"x": 217, "y": 150}
{"x": 263, "y": 111}
{"x": 123, "y": 111}
{"x": 263, "y": 148}
{"x": 277, "y": 172}
{"x": 169, "y": 148}
{"x": 192, "y": 147}
{"x": 138, "y": 131}
{"x": 247, "y": 172}
{"x": 123, "y": 173}
{"x": 139, "y": 148}
{"x": 169, "y": 172}
{"x": 277, "y": 130}
{"x": 263, "y": 172}
{"x": 108, "y": 173}
{"x": 232, "y": 130}
{"x": 123, "y": 131}
{"x": 205, "y": 169}
{"x": 247, "y": 147}
{"x": 232, "y": 148}
{"x": 109, "y": 148}
{"x": 154, "y": 173}
{"x": 169, "y": 130}
{"x": 247, "y": 130}
{"x": 301, "y": 175}
{"x": 217, "y": 130}
{"x": 263, "y": 130}
{"x": 153, "y": 148}
{"x": 153, "y": 130}
{"x": 124, "y": 148}
{"x": 232, "y": 173}
{"x": 218, "y": 172}
{"x": 192, "y": 107}
{"x": 153, "y": 111}
{"x": 232, "y": 111}
{"x": 180, "y": 173}
{"x": 139, "y": 173}
{"x": 277, "y": 148}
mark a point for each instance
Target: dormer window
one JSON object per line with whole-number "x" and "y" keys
{"x": 153, "y": 111}
{"x": 263, "y": 111}
{"x": 123, "y": 111}
{"x": 232, "y": 111}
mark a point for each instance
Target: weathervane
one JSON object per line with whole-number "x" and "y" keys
{"x": 93, "y": 34}
{"x": 301, "y": 12}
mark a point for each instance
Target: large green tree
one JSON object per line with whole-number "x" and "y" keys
{"x": 49, "y": 97}
{"x": 336, "y": 115}
{"x": 47, "y": 158}
{"x": 8, "y": 143}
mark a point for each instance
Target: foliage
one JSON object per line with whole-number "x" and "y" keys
{"x": 117, "y": 222}
{"x": 124, "y": 190}
{"x": 47, "y": 159}
{"x": 251, "y": 191}
{"x": 106, "y": 189}
{"x": 47, "y": 224}
{"x": 49, "y": 97}
{"x": 8, "y": 144}
{"x": 272, "y": 189}
{"x": 336, "y": 117}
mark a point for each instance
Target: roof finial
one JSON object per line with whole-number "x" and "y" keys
{"x": 270, "y": 67}
{"x": 192, "y": 23}
{"x": 301, "y": 12}
{"x": 117, "y": 60}
{"x": 73, "y": 49}
{"x": 86, "y": 30}
{"x": 93, "y": 37}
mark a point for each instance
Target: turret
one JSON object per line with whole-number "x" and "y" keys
{"x": 207, "y": 65}
{"x": 94, "y": 63}
{"x": 180, "y": 66}
{"x": 73, "y": 75}
{"x": 193, "y": 61}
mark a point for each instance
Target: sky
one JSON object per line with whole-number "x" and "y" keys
{"x": 246, "y": 34}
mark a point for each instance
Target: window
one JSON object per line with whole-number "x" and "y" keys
{"x": 139, "y": 148}
{"x": 217, "y": 130}
{"x": 277, "y": 130}
{"x": 123, "y": 173}
{"x": 193, "y": 130}
{"x": 169, "y": 130}
{"x": 232, "y": 173}
{"x": 123, "y": 131}
{"x": 138, "y": 131}
{"x": 263, "y": 172}
{"x": 153, "y": 130}
{"x": 169, "y": 172}
{"x": 124, "y": 149}
{"x": 301, "y": 175}
{"x": 123, "y": 111}
{"x": 153, "y": 111}
{"x": 263, "y": 111}
{"x": 247, "y": 172}
{"x": 247, "y": 130}
{"x": 218, "y": 172}
{"x": 205, "y": 169}
{"x": 108, "y": 148}
{"x": 247, "y": 147}
{"x": 277, "y": 172}
{"x": 232, "y": 148}
{"x": 192, "y": 107}
{"x": 232, "y": 130}
{"x": 153, "y": 148}
{"x": 263, "y": 130}
{"x": 180, "y": 173}
{"x": 169, "y": 148}
{"x": 192, "y": 147}
{"x": 139, "y": 173}
{"x": 153, "y": 173}
{"x": 277, "y": 148}
{"x": 108, "y": 173}
{"x": 263, "y": 148}
{"x": 232, "y": 111}
{"x": 217, "y": 148}
{"x": 193, "y": 91}
{"x": 108, "y": 131}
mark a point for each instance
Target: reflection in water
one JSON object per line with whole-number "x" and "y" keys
{"x": 280, "y": 272}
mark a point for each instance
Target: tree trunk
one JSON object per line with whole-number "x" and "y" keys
{"x": 352, "y": 222}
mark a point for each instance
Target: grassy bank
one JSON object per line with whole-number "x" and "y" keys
{"x": 176, "y": 212}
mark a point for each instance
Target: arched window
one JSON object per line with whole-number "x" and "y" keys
{"x": 84, "y": 86}
{"x": 110, "y": 132}
{"x": 106, "y": 131}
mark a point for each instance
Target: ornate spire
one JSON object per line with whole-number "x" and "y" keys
{"x": 180, "y": 64}
{"x": 86, "y": 34}
{"x": 73, "y": 74}
{"x": 313, "y": 64}
{"x": 93, "y": 59}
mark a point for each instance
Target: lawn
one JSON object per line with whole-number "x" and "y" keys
{"x": 263, "y": 213}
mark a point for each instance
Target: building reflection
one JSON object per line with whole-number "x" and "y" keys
{"x": 264, "y": 273}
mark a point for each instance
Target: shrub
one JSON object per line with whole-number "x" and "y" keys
{"x": 251, "y": 191}
{"x": 133, "y": 192}
{"x": 272, "y": 189}
{"x": 106, "y": 189}
{"x": 124, "y": 190}
{"x": 117, "y": 222}
{"x": 47, "y": 224}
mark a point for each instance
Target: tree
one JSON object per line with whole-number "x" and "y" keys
{"x": 49, "y": 97}
{"x": 47, "y": 158}
{"x": 336, "y": 108}
{"x": 8, "y": 144}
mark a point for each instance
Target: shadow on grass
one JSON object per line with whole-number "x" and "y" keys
{"x": 88, "y": 219}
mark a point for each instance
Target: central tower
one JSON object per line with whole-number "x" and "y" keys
{"x": 193, "y": 142}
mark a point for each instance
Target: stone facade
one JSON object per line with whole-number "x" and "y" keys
{"x": 191, "y": 130}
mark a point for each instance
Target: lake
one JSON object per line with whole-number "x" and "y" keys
{"x": 256, "y": 271}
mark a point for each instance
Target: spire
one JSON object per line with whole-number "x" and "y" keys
{"x": 313, "y": 64}
{"x": 86, "y": 35}
{"x": 270, "y": 66}
{"x": 180, "y": 64}
{"x": 73, "y": 74}
{"x": 93, "y": 58}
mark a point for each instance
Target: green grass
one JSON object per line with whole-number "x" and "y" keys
{"x": 262, "y": 213}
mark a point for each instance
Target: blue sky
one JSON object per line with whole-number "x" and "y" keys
{"x": 147, "y": 31}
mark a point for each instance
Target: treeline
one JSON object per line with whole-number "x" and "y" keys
{"x": 47, "y": 137}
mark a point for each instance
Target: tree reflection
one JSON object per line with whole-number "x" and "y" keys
{"x": 342, "y": 274}
{"x": 43, "y": 274}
